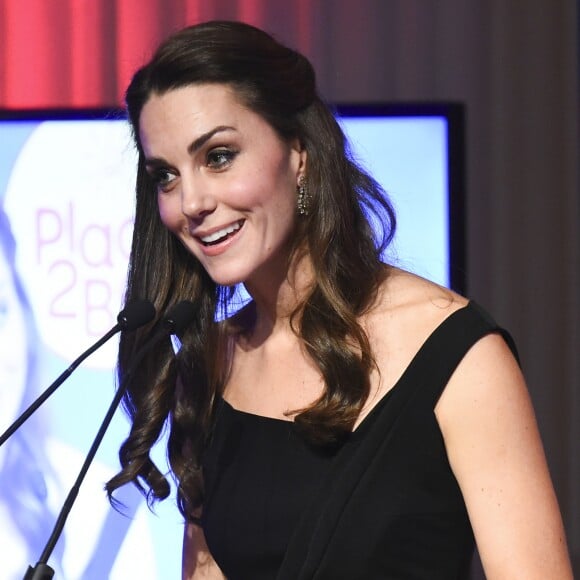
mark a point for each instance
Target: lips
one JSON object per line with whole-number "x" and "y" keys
{"x": 220, "y": 235}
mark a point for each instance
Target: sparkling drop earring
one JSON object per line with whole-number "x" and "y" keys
{"x": 303, "y": 197}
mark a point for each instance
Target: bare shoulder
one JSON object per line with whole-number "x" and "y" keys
{"x": 407, "y": 310}
{"x": 409, "y": 297}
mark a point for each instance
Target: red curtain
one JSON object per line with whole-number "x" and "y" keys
{"x": 81, "y": 53}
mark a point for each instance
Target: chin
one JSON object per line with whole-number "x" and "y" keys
{"x": 227, "y": 278}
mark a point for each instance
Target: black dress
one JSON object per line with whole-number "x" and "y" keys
{"x": 384, "y": 505}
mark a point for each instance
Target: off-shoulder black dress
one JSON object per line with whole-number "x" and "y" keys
{"x": 384, "y": 505}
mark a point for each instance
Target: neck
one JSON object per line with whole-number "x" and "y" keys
{"x": 276, "y": 299}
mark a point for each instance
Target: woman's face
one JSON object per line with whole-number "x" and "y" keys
{"x": 13, "y": 349}
{"x": 226, "y": 181}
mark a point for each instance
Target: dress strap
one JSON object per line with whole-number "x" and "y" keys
{"x": 444, "y": 349}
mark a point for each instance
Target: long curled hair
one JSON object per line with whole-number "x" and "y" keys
{"x": 278, "y": 84}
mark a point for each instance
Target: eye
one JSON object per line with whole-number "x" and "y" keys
{"x": 220, "y": 158}
{"x": 163, "y": 178}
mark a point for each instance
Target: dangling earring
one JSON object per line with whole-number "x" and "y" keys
{"x": 303, "y": 197}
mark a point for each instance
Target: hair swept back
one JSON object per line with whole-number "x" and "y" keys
{"x": 277, "y": 83}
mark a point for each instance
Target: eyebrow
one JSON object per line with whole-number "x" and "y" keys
{"x": 203, "y": 139}
{"x": 195, "y": 145}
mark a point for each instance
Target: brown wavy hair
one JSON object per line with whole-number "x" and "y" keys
{"x": 178, "y": 392}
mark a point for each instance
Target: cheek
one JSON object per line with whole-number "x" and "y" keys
{"x": 170, "y": 212}
{"x": 272, "y": 188}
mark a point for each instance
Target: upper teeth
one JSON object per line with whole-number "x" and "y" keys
{"x": 221, "y": 233}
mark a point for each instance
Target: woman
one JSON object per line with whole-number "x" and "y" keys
{"x": 351, "y": 420}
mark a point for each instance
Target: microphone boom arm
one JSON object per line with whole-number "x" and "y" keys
{"x": 134, "y": 315}
{"x": 50, "y": 390}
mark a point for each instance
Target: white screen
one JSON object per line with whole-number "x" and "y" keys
{"x": 67, "y": 188}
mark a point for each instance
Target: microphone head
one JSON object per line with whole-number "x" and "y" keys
{"x": 136, "y": 314}
{"x": 179, "y": 316}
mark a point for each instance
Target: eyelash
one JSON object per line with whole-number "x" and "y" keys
{"x": 220, "y": 158}
{"x": 162, "y": 179}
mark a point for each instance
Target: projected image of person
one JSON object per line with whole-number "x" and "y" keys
{"x": 352, "y": 420}
{"x": 25, "y": 474}
{"x": 37, "y": 470}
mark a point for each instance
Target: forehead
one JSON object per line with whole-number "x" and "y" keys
{"x": 193, "y": 107}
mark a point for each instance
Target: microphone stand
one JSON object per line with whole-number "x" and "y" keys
{"x": 176, "y": 320}
{"x": 135, "y": 315}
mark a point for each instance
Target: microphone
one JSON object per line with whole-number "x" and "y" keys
{"x": 175, "y": 321}
{"x": 179, "y": 317}
{"x": 134, "y": 315}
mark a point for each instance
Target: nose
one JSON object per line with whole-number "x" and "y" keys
{"x": 196, "y": 198}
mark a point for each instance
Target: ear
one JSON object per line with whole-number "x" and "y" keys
{"x": 301, "y": 156}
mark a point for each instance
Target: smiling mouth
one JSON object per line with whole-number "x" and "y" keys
{"x": 221, "y": 235}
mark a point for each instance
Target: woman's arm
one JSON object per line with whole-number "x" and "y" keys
{"x": 197, "y": 562}
{"x": 495, "y": 451}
